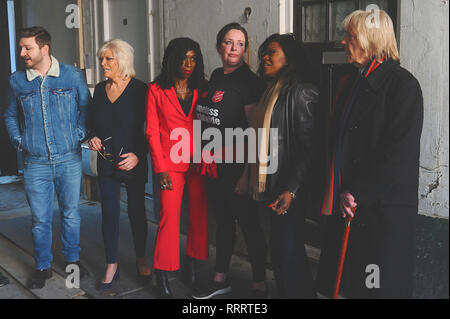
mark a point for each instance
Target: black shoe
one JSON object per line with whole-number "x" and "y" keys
{"x": 39, "y": 278}
{"x": 213, "y": 289}
{"x": 189, "y": 271}
{"x": 105, "y": 286}
{"x": 3, "y": 280}
{"x": 145, "y": 279}
{"x": 162, "y": 282}
{"x": 84, "y": 273}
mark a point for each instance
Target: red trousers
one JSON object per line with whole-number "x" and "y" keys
{"x": 167, "y": 248}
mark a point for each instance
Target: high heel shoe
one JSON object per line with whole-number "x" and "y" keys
{"x": 105, "y": 286}
{"x": 162, "y": 282}
{"x": 145, "y": 279}
{"x": 189, "y": 271}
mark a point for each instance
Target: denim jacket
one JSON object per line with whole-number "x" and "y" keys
{"x": 46, "y": 117}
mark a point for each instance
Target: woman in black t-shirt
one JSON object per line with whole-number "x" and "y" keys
{"x": 232, "y": 92}
{"x": 117, "y": 126}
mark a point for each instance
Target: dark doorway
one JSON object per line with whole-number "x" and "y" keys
{"x": 8, "y": 160}
{"x": 318, "y": 24}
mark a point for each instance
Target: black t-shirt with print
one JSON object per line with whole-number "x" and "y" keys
{"x": 222, "y": 106}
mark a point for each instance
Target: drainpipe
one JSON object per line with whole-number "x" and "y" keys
{"x": 151, "y": 40}
{"x": 106, "y": 24}
{"x": 286, "y": 16}
{"x": 162, "y": 40}
{"x": 96, "y": 42}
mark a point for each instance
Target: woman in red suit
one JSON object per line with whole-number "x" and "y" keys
{"x": 171, "y": 102}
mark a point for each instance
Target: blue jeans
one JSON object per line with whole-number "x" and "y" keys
{"x": 41, "y": 181}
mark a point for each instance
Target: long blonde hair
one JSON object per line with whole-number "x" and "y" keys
{"x": 374, "y": 32}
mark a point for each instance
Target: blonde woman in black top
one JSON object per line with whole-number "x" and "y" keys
{"x": 117, "y": 124}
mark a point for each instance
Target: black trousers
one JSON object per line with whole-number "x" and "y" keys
{"x": 110, "y": 197}
{"x": 290, "y": 263}
{"x": 229, "y": 208}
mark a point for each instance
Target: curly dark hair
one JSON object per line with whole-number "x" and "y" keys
{"x": 297, "y": 62}
{"x": 174, "y": 56}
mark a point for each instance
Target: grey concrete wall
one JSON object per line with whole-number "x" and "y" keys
{"x": 424, "y": 47}
{"x": 51, "y": 15}
{"x": 202, "y": 19}
{"x": 133, "y": 30}
{"x": 424, "y": 51}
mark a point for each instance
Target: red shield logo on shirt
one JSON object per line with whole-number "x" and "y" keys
{"x": 218, "y": 96}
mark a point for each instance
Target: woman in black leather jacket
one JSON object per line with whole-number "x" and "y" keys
{"x": 288, "y": 106}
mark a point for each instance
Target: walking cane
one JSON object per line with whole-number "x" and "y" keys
{"x": 342, "y": 255}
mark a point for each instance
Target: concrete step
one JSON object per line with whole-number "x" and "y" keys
{"x": 14, "y": 290}
{"x": 18, "y": 264}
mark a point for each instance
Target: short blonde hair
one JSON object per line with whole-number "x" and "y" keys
{"x": 124, "y": 53}
{"x": 374, "y": 32}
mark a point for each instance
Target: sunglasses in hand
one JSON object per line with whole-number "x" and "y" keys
{"x": 108, "y": 156}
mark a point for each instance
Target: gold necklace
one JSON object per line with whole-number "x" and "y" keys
{"x": 178, "y": 89}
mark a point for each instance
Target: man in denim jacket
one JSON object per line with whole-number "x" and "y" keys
{"x": 45, "y": 118}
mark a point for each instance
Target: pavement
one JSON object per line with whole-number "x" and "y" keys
{"x": 17, "y": 263}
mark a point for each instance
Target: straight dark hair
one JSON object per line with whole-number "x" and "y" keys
{"x": 297, "y": 62}
{"x": 42, "y": 36}
{"x": 230, "y": 26}
{"x": 174, "y": 56}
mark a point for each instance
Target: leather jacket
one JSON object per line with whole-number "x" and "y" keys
{"x": 294, "y": 116}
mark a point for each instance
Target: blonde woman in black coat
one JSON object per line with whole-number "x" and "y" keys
{"x": 374, "y": 148}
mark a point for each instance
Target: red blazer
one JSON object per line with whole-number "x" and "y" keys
{"x": 164, "y": 114}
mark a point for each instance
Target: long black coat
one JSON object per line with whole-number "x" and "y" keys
{"x": 380, "y": 168}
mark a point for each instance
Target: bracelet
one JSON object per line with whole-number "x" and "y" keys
{"x": 292, "y": 195}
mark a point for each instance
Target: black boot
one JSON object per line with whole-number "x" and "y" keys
{"x": 39, "y": 278}
{"x": 162, "y": 282}
{"x": 189, "y": 271}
